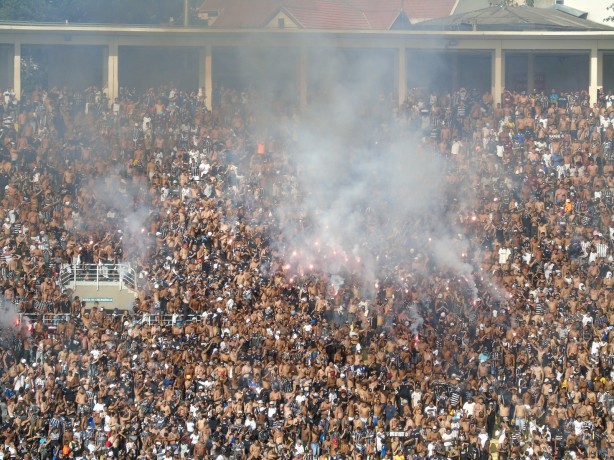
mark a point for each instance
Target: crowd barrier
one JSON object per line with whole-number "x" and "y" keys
{"x": 123, "y": 274}
{"x": 169, "y": 320}
{"x": 51, "y": 320}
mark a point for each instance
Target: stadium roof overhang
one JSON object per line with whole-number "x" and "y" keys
{"x": 179, "y": 36}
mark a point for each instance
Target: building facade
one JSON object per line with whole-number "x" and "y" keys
{"x": 445, "y": 56}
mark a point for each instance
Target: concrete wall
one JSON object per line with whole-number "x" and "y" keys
{"x": 6, "y": 66}
{"x": 564, "y": 72}
{"x": 445, "y": 71}
{"x": 272, "y": 72}
{"x": 75, "y": 66}
{"x": 367, "y": 74}
{"x": 608, "y": 72}
{"x": 474, "y": 71}
{"x": 142, "y": 67}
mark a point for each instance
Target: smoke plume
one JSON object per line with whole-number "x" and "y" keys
{"x": 416, "y": 319}
{"x": 371, "y": 189}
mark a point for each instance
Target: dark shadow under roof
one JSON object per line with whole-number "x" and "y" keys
{"x": 512, "y": 18}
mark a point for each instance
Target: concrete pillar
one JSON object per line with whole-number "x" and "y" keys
{"x": 303, "y": 77}
{"x": 594, "y": 77}
{"x": 497, "y": 74}
{"x": 205, "y": 75}
{"x": 17, "y": 69}
{"x": 600, "y": 69}
{"x": 105, "y": 66}
{"x": 402, "y": 74}
{"x": 530, "y": 72}
{"x": 112, "y": 70}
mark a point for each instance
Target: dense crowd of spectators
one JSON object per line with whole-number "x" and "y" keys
{"x": 279, "y": 366}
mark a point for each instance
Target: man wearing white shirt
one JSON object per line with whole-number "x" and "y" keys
{"x": 601, "y": 247}
{"x": 250, "y": 422}
{"x": 204, "y": 168}
{"x": 298, "y": 448}
{"x": 483, "y": 438}
{"x": 447, "y": 437}
{"x": 456, "y": 148}
{"x": 430, "y": 410}
{"x": 416, "y": 397}
{"x": 468, "y": 408}
{"x": 504, "y": 254}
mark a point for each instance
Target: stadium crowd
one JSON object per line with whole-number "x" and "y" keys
{"x": 279, "y": 365}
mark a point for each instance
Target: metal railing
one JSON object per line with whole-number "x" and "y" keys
{"x": 168, "y": 320}
{"x": 53, "y": 319}
{"x": 123, "y": 274}
{"x": 47, "y": 319}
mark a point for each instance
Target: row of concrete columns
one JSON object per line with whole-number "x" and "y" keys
{"x": 10, "y": 71}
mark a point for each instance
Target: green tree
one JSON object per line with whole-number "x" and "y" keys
{"x": 21, "y": 10}
{"x": 93, "y": 11}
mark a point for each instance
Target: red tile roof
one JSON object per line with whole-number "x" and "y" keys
{"x": 325, "y": 14}
{"x": 381, "y": 14}
{"x": 425, "y": 9}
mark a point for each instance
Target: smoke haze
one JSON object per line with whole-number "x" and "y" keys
{"x": 370, "y": 190}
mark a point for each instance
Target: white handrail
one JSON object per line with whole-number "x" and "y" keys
{"x": 48, "y": 319}
{"x": 168, "y": 320}
{"x": 53, "y": 319}
{"x": 123, "y": 274}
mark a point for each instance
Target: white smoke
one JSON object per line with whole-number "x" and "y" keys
{"x": 416, "y": 320}
{"x": 371, "y": 189}
{"x": 130, "y": 203}
{"x": 368, "y": 188}
{"x": 451, "y": 253}
{"x": 12, "y": 323}
{"x": 336, "y": 282}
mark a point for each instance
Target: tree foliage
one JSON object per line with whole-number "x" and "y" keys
{"x": 93, "y": 11}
